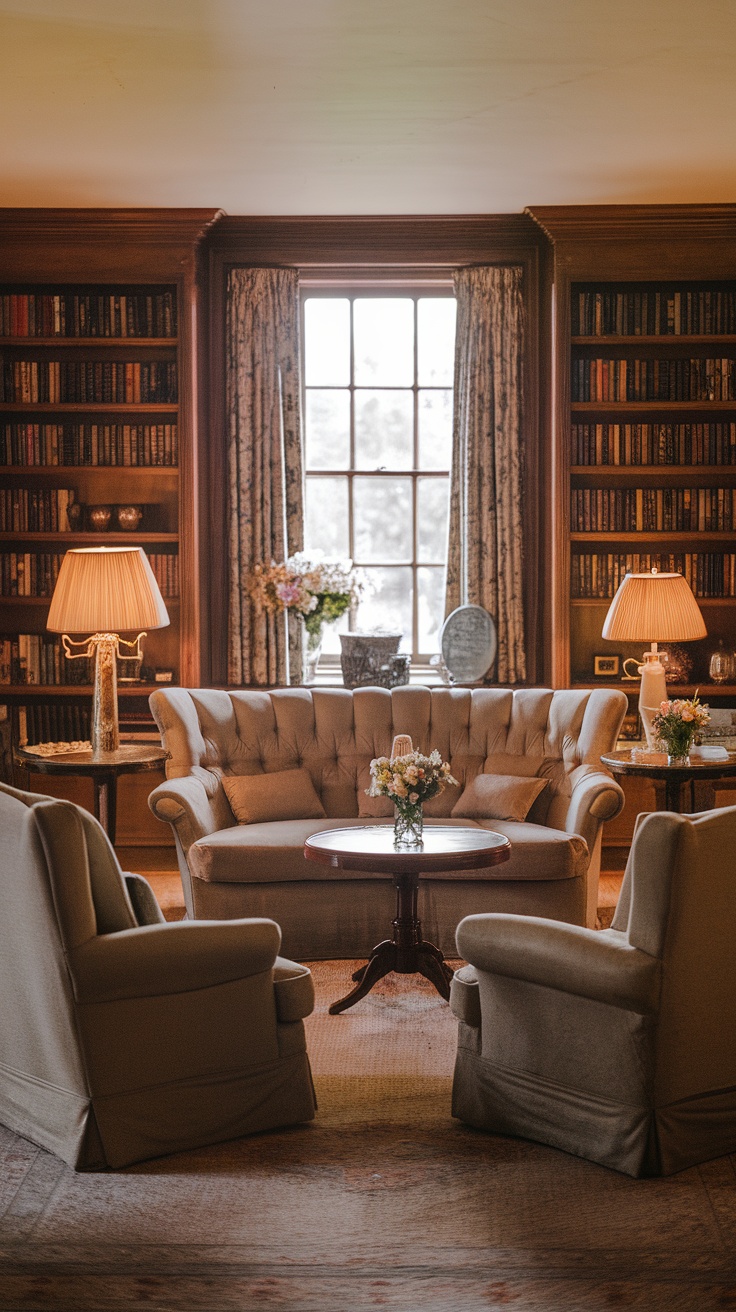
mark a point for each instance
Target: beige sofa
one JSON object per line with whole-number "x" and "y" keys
{"x": 230, "y": 869}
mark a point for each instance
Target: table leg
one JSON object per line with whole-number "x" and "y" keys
{"x": 406, "y": 953}
{"x": 106, "y": 803}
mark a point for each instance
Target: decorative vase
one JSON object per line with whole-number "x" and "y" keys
{"x": 128, "y": 517}
{"x": 678, "y": 743}
{"x": 408, "y": 824}
{"x": 99, "y": 518}
{"x": 312, "y": 649}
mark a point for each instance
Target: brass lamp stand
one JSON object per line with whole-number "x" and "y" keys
{"x": 105, "y": 649}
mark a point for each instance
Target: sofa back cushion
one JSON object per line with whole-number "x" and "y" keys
{"x": 334, "y": 733}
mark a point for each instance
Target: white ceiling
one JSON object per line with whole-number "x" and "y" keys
{"x": 366, "y": 106}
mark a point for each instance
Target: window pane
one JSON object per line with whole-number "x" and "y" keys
{"x": 326, "y": 341}
{"x": 326, "y": 516}
{"x": 382, "y": 514}
{"x": 436, "y": 340}
{"x": 327, "y": 430}
{"x": 432, "y": 504}
{"x": 435, "y": 429}
{"x": 430, "y": 608}
{"x": 384, "y": 430}
{"x": 389, "y": 606}
{"x": 384, "y": 341}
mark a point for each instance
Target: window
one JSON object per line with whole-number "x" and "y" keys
{"x": 378, "y": 373}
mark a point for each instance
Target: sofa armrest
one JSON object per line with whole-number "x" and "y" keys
{"x": 595, "y": 797}
{"x": 186, "y": 806}
{"x": 587, "y": 962}
{"x": 294, "y": 989}
{"x": 157, "y": 960}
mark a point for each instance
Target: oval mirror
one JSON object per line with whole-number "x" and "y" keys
{"x": 468, "y": 643}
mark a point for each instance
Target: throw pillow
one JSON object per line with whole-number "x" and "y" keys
{"x": 283, "y": 795}
{"x": 499, "y": 797}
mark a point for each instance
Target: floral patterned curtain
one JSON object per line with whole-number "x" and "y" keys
{"x": 266, "y": 508}
{"x": 485, "y": 552}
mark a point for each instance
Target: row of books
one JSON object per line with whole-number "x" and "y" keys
{"x": 653, "y": 311}
{"x": 88, "y": 314}
{"x": 89, "y": 444}
{"x": 654, "y": 510}
{"x": 654, "y": 380}
{"x": 35, "y": 510}
{"x": 60, "y": 382}
{"x": 53, "y": 722}
{"x": 653, "y": 444}
{"x": 597, "y": 574}
{"x": 34, "y": 573}
{"x": 35, "y": 659}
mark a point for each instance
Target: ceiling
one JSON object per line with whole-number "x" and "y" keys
{"x": 366, "y": 106}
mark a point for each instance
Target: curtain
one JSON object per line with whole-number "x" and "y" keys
{"x": 485, "y": 550}
{"x": 266, "y": 506}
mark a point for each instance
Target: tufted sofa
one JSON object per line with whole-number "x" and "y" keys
{"x": 234, "y": 870}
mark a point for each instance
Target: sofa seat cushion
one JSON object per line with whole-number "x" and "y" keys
{"x": 274, "y": 853}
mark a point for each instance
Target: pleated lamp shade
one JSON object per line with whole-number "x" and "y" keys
{"x": 106, "y": 590}
{"x": 654, "y": 608}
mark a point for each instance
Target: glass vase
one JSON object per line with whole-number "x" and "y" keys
{"x": 677, "y": 744}
{"x": 408, "y": 825}
{"x": 312, "y": 650}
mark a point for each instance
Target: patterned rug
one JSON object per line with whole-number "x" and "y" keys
{"x": 384, "y": 1202}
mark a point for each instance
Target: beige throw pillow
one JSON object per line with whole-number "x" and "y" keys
{"x": 283, "y": 795}
{"x": 499, "y": 797}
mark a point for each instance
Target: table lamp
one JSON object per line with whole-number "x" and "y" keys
{"x": 653, "y": 608}
{"x": 102, "y": 590}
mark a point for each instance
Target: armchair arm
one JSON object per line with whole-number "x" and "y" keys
{"x": 595, "y": 797}
{"x": 157, "y": 960}
{"x": 294, "y": 989}
{"x": 589, "y": 963}
{"x": 185, "y": 804}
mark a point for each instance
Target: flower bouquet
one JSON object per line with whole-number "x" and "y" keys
{"x": 318, "y": 589}
{"x": 409, "y": 780}
{"x": 676, "y": 724}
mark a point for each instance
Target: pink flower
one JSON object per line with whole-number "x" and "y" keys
{"x": 287, "y": 593}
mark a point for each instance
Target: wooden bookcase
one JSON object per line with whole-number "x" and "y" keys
{"x": 98, "y": 405}
{"x": 644, "y": 435}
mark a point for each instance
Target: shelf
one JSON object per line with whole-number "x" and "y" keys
{"x": 704, "y": 690}
{"x": 660, "y": 538}
{"x": 16, "y": 690}
{"x": 658, "y": 339}
{"x": 92, "y": 539}
{"x": 666, "y": 475}
{"x": 28, "y": 343}
{"x": 653, "y": 407}
{"x": 65, "y": 472}
{"x": 89, "y": 407}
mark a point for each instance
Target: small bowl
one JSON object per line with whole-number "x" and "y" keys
{"x": 129, "y": 517}
{"x": 99, "y": 518}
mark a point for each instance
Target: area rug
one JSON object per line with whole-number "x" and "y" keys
{"x": 383, "y": 1202}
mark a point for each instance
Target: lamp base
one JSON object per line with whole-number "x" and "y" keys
{"x": 105, "y": 735}
{"x": 652, "y": 692}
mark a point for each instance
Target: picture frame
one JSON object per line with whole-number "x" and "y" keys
{"x": 606, "y": 667}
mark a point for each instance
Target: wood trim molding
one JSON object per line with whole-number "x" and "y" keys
{"x": 74, "y": 227}
{"x": 628, "y": 223}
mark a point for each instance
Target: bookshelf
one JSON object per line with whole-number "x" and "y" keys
{"x": 98, "y": 386}
{"x": 643, "y": 354}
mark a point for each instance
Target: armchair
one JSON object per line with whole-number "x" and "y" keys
{"x": 122, "y": 1040}
{"x": 618, "y": 1046}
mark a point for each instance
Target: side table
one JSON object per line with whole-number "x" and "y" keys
{"x": 675, "y": 778}
{"x": 371, "y": 847}
{"x": 102, "y": 767}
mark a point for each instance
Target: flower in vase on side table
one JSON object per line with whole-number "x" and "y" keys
{"x": 409, "y": 780}
{"x": 318, "y": 589}
{"x": 676, "y": 724}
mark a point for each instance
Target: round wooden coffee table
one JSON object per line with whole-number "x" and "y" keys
{"x": 102, "y": 767}
{"x": 672, "y": 776}
{"x": 371, "y": 847}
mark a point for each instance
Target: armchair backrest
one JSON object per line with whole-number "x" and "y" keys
{"x": 677, "y": 904}
{"x": 335, "y": 733}
{"x": 60, "y": 884}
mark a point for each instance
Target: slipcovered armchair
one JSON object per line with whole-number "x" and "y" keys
{"x": 121, "y": 1041}
{"x": 618, "y": 1046}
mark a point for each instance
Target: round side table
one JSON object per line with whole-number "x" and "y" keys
{"x": 372, "y": 848}
{"x": 102, "y": 767}
{"x": 674, "y": 777}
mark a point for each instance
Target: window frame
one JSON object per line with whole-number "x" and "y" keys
{"x": 352, "y": 288}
